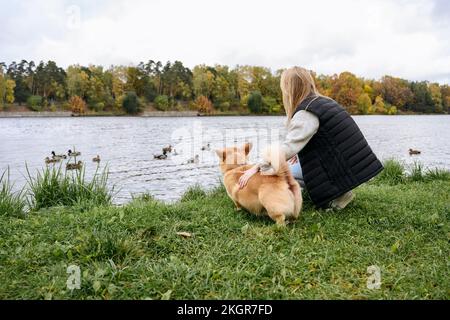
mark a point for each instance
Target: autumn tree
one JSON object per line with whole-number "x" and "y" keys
{"x": 204, "y": 105}
{"x": 364, "y": 104}
{"x": 436, "y": 97}
{"x": 9, "y": 90}
{"x": 346, "y": 89}
{"x": 379, "y": 105}
{"x": 77, "y": 105}
{"x": 395, "y": 91}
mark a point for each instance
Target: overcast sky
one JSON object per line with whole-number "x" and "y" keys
{"x": 405, "y": 38}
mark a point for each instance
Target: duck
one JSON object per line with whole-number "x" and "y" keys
{"x": 96, "y": 159}
{"x": 206, "y": 148}
{"x": 74, "y": 166}
{"x": 195, "y": 160}
{"x": 74, "y": 153}
{"x": 162, "y": 156}
{"x": 167, "y": 149}
{"x": 411, "y": 152}
{"x": 58, "y": 156}
{"x": 48, "y": 160}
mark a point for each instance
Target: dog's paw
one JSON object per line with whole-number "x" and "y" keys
{"x": 237, "y": 209}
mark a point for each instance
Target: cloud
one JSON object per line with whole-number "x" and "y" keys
{"x": 370, "y": 38}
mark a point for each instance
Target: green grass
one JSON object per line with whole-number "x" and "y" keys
{"x": 134, "y": 252}
{"x": 54, "y": 186}
{"x": 11, "y": 203}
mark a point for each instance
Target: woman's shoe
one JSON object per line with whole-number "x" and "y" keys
{"x": 341, "y": 202}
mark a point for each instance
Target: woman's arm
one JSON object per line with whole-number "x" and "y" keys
{"x": 247, "y": 175}
{"x": 301, "y": 129}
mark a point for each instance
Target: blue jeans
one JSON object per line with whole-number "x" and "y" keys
{"x": 297, "y": 172}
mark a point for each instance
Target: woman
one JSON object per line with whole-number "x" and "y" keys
{"x": 334, "y": 156}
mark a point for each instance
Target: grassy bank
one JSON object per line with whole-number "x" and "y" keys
{"x": 397, "y": 222}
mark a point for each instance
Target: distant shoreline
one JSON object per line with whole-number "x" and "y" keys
{"x": 147, "y": 114}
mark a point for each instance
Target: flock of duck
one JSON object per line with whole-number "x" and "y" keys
{"x": 169, "y": 149}
{"x": 163, "y": 156}
{"x": 70, "y": 154}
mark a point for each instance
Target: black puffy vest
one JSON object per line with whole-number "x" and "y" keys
{"x": 337, "y": 158}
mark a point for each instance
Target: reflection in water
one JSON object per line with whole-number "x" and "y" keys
{"x": 127, "y": 145}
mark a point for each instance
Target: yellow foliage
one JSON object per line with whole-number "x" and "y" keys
{"x": 204, "y": 105}
{"x": 10, "y": 85}
{"x": 77, "y": 105}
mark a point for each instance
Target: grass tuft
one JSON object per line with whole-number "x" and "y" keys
{"x": 193, "y": 193}
{"x": 54, "y": 187}
{"x": 11, "y": 203}
{"x": 393, "y": 173}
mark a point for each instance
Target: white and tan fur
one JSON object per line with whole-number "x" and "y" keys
{"x": 277, "y": 195}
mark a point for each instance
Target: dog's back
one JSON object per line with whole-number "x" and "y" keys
{"x": 278, "y": 192}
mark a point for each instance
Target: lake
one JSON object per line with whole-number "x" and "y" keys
{"x": 127, "y": 145}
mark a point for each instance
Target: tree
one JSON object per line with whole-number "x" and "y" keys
{"x": 445, "y": 93}
{"x": 204, "y": 105}
{"x": 131, "y": 103}
{"x": 346, "y": 89}
{"x": 9, "y": 90}
{"x": 364, "y": 104}
{"x": 422, "y": 100}
{"x": 395, "y": 91}
{"x": 77, "y": 105}
{"x": 2, "y": 88}
{"x": 162, "y": 102}
{"x": 436, "y": 97}
{"x": 379, "y": 105}
{"x": 255, "y": 102}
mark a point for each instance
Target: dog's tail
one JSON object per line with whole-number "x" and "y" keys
{"x": 274, "y": 156}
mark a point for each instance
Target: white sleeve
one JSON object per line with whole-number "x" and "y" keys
{"x": 302, "y": 127}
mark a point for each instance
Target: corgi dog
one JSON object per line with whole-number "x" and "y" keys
{"x": 274, "y": 193}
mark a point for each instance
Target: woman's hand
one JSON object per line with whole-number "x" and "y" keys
{"x": 293, "y": 160}
{"x": 246, "y": 176}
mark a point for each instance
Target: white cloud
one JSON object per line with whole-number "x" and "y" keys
{"x": 370, "y": 38}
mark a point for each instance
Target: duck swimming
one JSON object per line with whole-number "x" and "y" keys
{"x": 167, "y": 149}
{"x": 74, "y": 166}
{"x": 96, "y": 159}
{"x": 162, "y": 156}
{"x": 58, "y": 156}
{"x": 411, "y": 152}
{"x": 73, "y": 154}
{"x": 48, "y": 160}
{"x": 195, "y": 160}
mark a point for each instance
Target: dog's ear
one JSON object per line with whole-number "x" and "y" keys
{"x": 247, "y": 147}
{"x": 220, "y": 153}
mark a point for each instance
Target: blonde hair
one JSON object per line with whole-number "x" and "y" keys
{"x": 296, "y": 85}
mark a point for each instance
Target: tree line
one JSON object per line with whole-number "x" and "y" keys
{"x": 207, "y": 89}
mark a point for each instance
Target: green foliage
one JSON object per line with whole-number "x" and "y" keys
{"x": 364, "y": 104}
{"x": 55, "y": 187}
{"x": 271, "y": 105}
{"x": 12, "y": 203}
{"x": 395, "y": 172}
{"x": 131, "y": 103}
{"x": 223, "y": 86}
{"x": 255, "y": 102}
{"x": 193, "y": 193}
{"x": 162, "y": 102}
{"x": 35, "y": 103}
